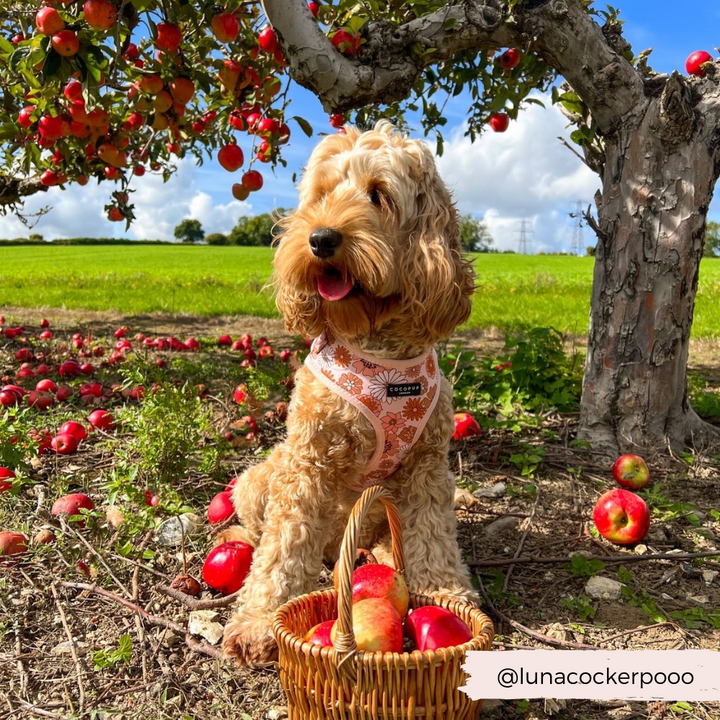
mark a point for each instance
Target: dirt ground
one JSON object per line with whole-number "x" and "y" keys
{"x": 540, "y": 518}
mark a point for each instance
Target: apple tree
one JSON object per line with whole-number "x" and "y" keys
{"x": 111, "y": 89}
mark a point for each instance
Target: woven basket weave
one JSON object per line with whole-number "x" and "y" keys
{"x": 339, "y": 682}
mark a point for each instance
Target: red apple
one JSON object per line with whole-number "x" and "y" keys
{"x": 337, "y": 121}
{"x": 48, "y": 21}
{"x": 377, "y": 626}
{"x": 227, "y": 565}
{"x": 631, "y": 472}
{"x": 64, "y": 444}
{"x": 499, "y": 122}
{"x": 320, "y": 634}
{"x": 182, "y": 90}
{"x": 65, "y": 43}
{"x": 169, "y": 37}
{"x": 224, "y": 341}
{"x": 314, "y": 8}
{"x": 465, "y": 426}
{"x": 220, "y": 508}
{"x": 229, "y": 487}
{"x": 64, "y": 393}
{"x": 12, "y": 543}
{"x": 24, "y": 118}
{"x": 431, "y": 627}
{"x": 225, "y": 27}
{"x": 46, "y": 385}
{"x": 230, "y": 157}
{"x": 151, "y": 499}
{"x": 381, "y": 581}
{"x": 151, "y": 84}
{"x": 268, "y": 40}
{"x": 71, "y": 504}
{"x": 252, "y": 180}
{"x": 346, "y": 41}
{"x": 6, "y": 477}
{"x": 621, "y": 517}
{"x": 75, "y": 429}
{"x": 43, "y": 440}
{"x": 192, "y": 344}
{"x": 100, "y": 14}
{"x": 510, "y": 59}
{"x": 694, "y": 63}
{"x": 101, "y": 420}
{"x": 50, "y": 128}
{"x": 40, "y": 400}
{"x": 240, "y": 192}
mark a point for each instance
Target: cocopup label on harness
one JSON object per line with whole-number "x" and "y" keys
{"x": 405, "y": 390}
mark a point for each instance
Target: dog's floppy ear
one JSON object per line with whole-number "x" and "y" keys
{"x": 438, "y": 282}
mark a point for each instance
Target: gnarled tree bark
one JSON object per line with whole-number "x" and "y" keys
{"x": 662, "y": 159}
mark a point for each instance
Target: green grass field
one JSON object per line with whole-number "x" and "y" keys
{"x": 516, "y": 292}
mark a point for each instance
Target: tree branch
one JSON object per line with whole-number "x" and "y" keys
{"x": 12, "y": 189}
{"x": 560, "y": 31}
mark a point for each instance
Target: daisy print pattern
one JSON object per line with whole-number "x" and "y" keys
{"x": 379, "y": 383}
{"x": 398, "y": 417}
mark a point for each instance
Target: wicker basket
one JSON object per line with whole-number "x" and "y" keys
{"x": 340, "y": 682}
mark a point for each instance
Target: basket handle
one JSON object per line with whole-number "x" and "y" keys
{"x": 344, "y": 636}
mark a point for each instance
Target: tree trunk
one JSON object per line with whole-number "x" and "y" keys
{"x": 658, "y": 181}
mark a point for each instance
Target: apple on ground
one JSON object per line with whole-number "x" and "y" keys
{"x": 71, "y": 505}
{"x": 320, "y": 634}
{"x": 101, "y": 420}
{"x": 12, "y": 543}
{"x": 621, "y": 517}
{"x": 381, "y": 581}
{"x": 465, "y": 426}
{"x": 220, "y": 508}
{"x": 6, "y": 478}
{"x": 377, "y": 626}
{"x": 227, "y": 566}
{"x": 64, "y": 444}
{"x": 631, "y": 472}
{"x": 431, "y": 627}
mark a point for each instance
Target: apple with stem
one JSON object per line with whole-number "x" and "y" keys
{"x": 621, "y": 517}
{"x": 631, "y": 472}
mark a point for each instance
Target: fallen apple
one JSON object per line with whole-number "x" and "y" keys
{"x": 6, "y": 478}
{"x": 377, "y": 626}
{"x": 465, "y": 426}
{"x": 12, "y": 543}
{"x": 431, "y": 627}
{"x": 227, "y": 566}
{"x": 621, "y": 517}
{"x": 101, "y": 420}
{"x": 631, "y": 472}
{"x": 71, "y": 505}
{"x": 220, "y": 508}
{"x": 64, "y": 444}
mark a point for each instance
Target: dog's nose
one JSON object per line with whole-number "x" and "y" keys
{"x": 324, "y": 242}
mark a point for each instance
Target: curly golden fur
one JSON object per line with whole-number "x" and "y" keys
{"x": 411, "y": 287}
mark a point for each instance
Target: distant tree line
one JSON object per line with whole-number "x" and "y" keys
{"x": 255, "y": 231}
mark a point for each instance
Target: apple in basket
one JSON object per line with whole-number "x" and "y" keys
{"x": 377, "y": 626}
{"x": 431, "y": 627}
{"x": 381, "y": 581}
{"x": 320, "y": 634}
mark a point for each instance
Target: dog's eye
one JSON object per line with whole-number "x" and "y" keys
{"x": 375, "y": 196}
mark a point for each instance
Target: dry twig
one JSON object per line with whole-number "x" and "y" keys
{"x": 73, "y": 651}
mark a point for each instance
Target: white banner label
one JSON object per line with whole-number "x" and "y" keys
{"x": 594, "y": 675}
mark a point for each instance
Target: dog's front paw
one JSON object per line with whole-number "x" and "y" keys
{"x": 251, "y": 644}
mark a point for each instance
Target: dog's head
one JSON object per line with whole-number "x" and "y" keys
{"x": 374, "y": 240}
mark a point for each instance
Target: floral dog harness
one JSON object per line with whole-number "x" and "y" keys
{"x": 396, "y": 396}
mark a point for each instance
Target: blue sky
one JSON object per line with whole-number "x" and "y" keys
{"x": 524, "y": 173}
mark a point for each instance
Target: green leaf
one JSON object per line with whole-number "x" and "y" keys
{"x": 52, "y": 65}
{"x": 572, "y": 102}
{"x": 18, "y": 56}
{"x": 304, "y": 125}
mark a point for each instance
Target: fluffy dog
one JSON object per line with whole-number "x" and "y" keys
{"x": 370, "y": 256}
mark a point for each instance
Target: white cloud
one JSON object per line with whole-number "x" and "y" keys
{"x": 159, "y": 207}
{"x": 524, "y": 173}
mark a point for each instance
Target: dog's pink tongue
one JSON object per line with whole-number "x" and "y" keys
{"x": 332, "y": 286}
